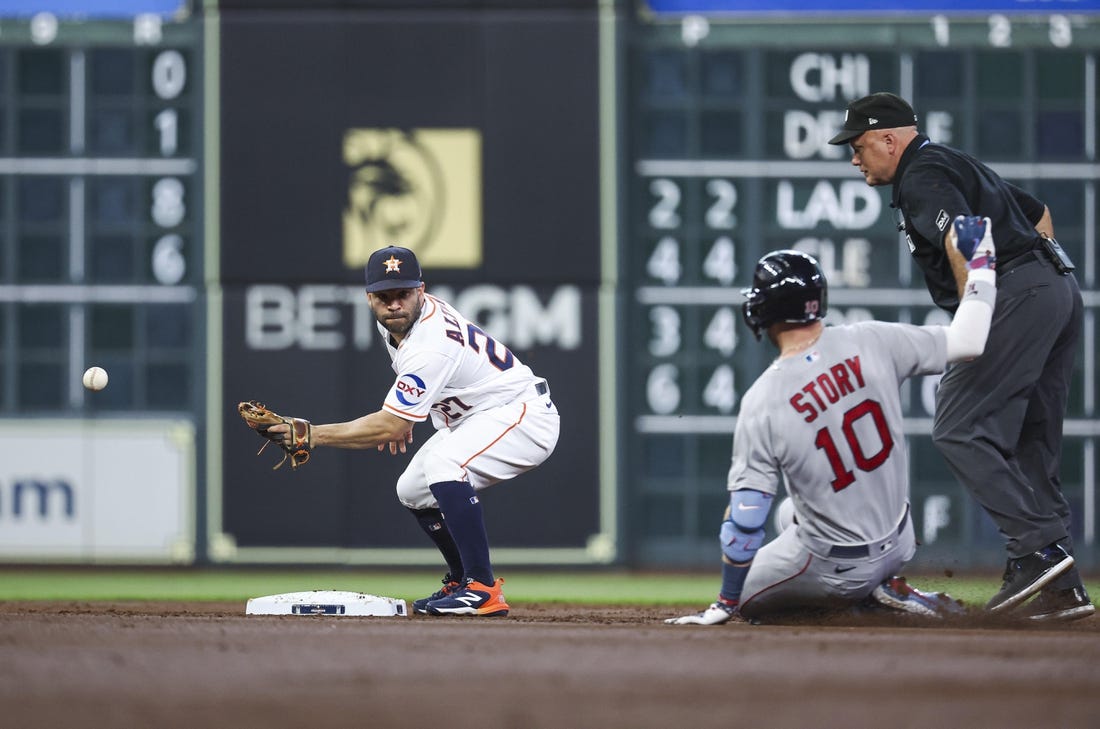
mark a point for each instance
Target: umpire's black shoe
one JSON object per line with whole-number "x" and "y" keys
{"x": 1060, "y": 605}
{"x": 1024, "y": 576}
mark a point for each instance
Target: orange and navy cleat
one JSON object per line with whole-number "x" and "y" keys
{"x": 450, "y": 585}
{"x": 474, "y": 598}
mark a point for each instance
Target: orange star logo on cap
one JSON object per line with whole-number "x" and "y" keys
{"x": 393, "y": 264}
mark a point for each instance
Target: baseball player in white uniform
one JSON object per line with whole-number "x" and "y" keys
{"x": 826, "y": 418}
{"x": 493, "y": 417}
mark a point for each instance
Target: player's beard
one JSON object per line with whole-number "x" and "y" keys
{"x": 401, "y": 324}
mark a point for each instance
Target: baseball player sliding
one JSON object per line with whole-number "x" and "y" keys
{"x": 493, "y": 417}
{"x": 826, "y": 416}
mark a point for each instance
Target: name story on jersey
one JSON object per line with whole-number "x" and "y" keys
{"x": 827, "y": 388}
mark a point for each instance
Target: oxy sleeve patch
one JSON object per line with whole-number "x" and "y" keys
{"x": 409, "y": 389}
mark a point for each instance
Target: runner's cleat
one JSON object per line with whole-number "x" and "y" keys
{"x": 899, "y": 595}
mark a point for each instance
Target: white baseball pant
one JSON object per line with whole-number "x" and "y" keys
{"x": 488, "y": 447}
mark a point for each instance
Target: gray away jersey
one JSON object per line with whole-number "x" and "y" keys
{"x": 829, "y": 421}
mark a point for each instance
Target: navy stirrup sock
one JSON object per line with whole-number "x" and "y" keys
{"x": 733, "y": 579}
{"x": 431, "y": 521}
{"x": 462, "y": 512}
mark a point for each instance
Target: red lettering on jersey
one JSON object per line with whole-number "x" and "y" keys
{"x": 803, "y": 407}
{"x": 416, "y": 392}
{"x": 828, "y": 387}
{"x": 842, "y": 380}
{"x": 810, "y": 390}
{"x": 856, "y": 368}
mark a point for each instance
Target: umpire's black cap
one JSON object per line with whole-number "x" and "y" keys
{"x": 880, "y": 110}
{"x": 393, "y": 267}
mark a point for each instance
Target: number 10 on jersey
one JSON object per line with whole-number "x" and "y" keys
{"x": 842, "y": 476}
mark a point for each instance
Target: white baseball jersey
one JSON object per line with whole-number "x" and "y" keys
{"x": 494, "y": 419}
{"x": 450, "y": 368}
{"x": 829, "y": 421}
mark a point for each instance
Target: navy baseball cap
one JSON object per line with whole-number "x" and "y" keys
{"x": 881, "y": 110}
{"x": 393, "y": 267}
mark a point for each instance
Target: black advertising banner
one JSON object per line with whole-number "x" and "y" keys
{"x": 426, "y": 125}
{"x": 470, "y": 137}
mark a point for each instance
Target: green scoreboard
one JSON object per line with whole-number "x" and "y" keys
{"x": 160, "y": 163}
{"x": 726, "y": 126}
{"x": 100, "y": 205}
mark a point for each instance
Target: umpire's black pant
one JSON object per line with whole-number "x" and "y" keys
{"x": 999, "y": 418}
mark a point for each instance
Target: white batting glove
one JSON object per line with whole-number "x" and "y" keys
{"x": 716, "y": 614}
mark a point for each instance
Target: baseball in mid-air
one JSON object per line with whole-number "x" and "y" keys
{"x": 95, "y": 378}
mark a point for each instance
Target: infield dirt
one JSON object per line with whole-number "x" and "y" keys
{"x": 121, "y": 665}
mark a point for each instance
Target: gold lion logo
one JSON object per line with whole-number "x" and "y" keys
{"x": 420, "y": 189}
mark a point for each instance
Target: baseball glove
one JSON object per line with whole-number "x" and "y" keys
{"x": 296, "y": 443}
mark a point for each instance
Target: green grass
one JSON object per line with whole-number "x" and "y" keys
{"x": 236, "y": 584}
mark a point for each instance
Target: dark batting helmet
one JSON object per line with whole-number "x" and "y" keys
{"x": 787, "y": 286}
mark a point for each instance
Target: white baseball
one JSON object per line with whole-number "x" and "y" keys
{"x": 95, "y": 378}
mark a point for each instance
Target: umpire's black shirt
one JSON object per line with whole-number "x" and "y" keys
{"x": 932, "y": 185}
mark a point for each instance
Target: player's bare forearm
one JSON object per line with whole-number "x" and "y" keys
{"x": 370, "y": 431}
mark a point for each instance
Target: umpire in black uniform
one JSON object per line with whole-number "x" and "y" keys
{"x": 999, "y": 418}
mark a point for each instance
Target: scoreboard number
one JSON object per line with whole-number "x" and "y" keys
{"x": 719, "y": 392}
{"x": 666, "y": 331}
{"x": 721, "y": 263}
{"x": 720, "y": 214}
{"x": 664, "y": 213}
{"x": 664, "y": 263}
{"x": 663, "y": 389}
{"x": 721, "y": 332}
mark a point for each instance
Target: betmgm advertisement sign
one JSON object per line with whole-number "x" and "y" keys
{"x": 478, "y": 149}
